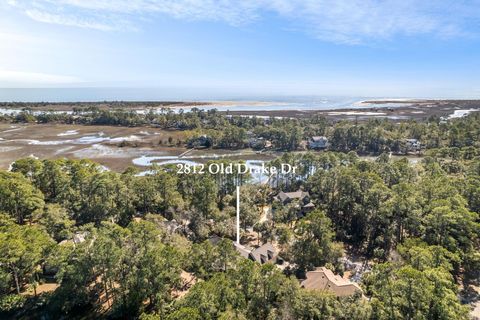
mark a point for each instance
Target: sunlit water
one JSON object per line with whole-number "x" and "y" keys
{"x": 240, "y": 103}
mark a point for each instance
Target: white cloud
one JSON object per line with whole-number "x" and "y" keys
{"x": 358, "y": 21}
{"x": 12, "y": 77}
{"x": 341, "y": 21}
{"x": 230, "y": 11}
{"x": 67, "y": 20}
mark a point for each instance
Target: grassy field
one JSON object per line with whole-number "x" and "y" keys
{"x": 113, "y": 147}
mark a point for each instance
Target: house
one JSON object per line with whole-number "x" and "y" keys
{"x": 318, "y": 142}
{"x": 263, "y": 254}
{"x": 412, "y": 145}
{"x": 78, "y": 237}
{"x": 244, "y": 251}
{"x": 202, "y": 141}
{"x": 259, "y": 143}
{"x": 287, "y": 197}
{"x": 308, "y": 207}
{"x": 301, "y": 196}
{"x": 324, "y": 279}
{"x": 256, "y": 143}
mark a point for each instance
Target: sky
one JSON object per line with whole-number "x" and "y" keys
{"x": 389, "y": 48}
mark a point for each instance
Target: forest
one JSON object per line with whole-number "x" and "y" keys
{"x": 373, "y": 136}
{"x": 123, "y": 246}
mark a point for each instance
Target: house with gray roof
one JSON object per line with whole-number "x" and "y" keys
{"x": 286, "y": 197}
{"x": 263, "y": 254}
{"x": 244, "y": 251}
{"x": 412, "y": 145}
{"x": 303, "y": 198}
{"x": 318, "y": 142}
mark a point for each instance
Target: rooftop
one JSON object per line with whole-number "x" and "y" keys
{"x": 319, "y": 138}
{"x": 300, "y": 194}
{"x": 324, "y": 279}
{"x": 264, "y": 253}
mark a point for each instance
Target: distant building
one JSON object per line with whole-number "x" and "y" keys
{"x": 324, "y": 279}
{"x": 412, "y": 145}
{"x": 259, "y": 143}
{"x": 202, "y": 141}
{"x": 256, "y": 143}
{"x": 318, "y": 142}
{"x": 78, "y": 237}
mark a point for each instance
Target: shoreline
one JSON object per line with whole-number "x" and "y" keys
{"x": 394, "y": 109}
{"x": 405, "y": 110}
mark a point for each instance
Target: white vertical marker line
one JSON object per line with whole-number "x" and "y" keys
{"x": 238, "y": 214}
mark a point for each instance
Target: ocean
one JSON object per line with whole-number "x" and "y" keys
{"x": 240, "y": 103}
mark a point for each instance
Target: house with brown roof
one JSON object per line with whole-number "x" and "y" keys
{"x": 325, "y": 280}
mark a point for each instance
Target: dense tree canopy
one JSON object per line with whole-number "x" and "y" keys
{"x": 373, "y": 136}
{"x": 159, "y": 246}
